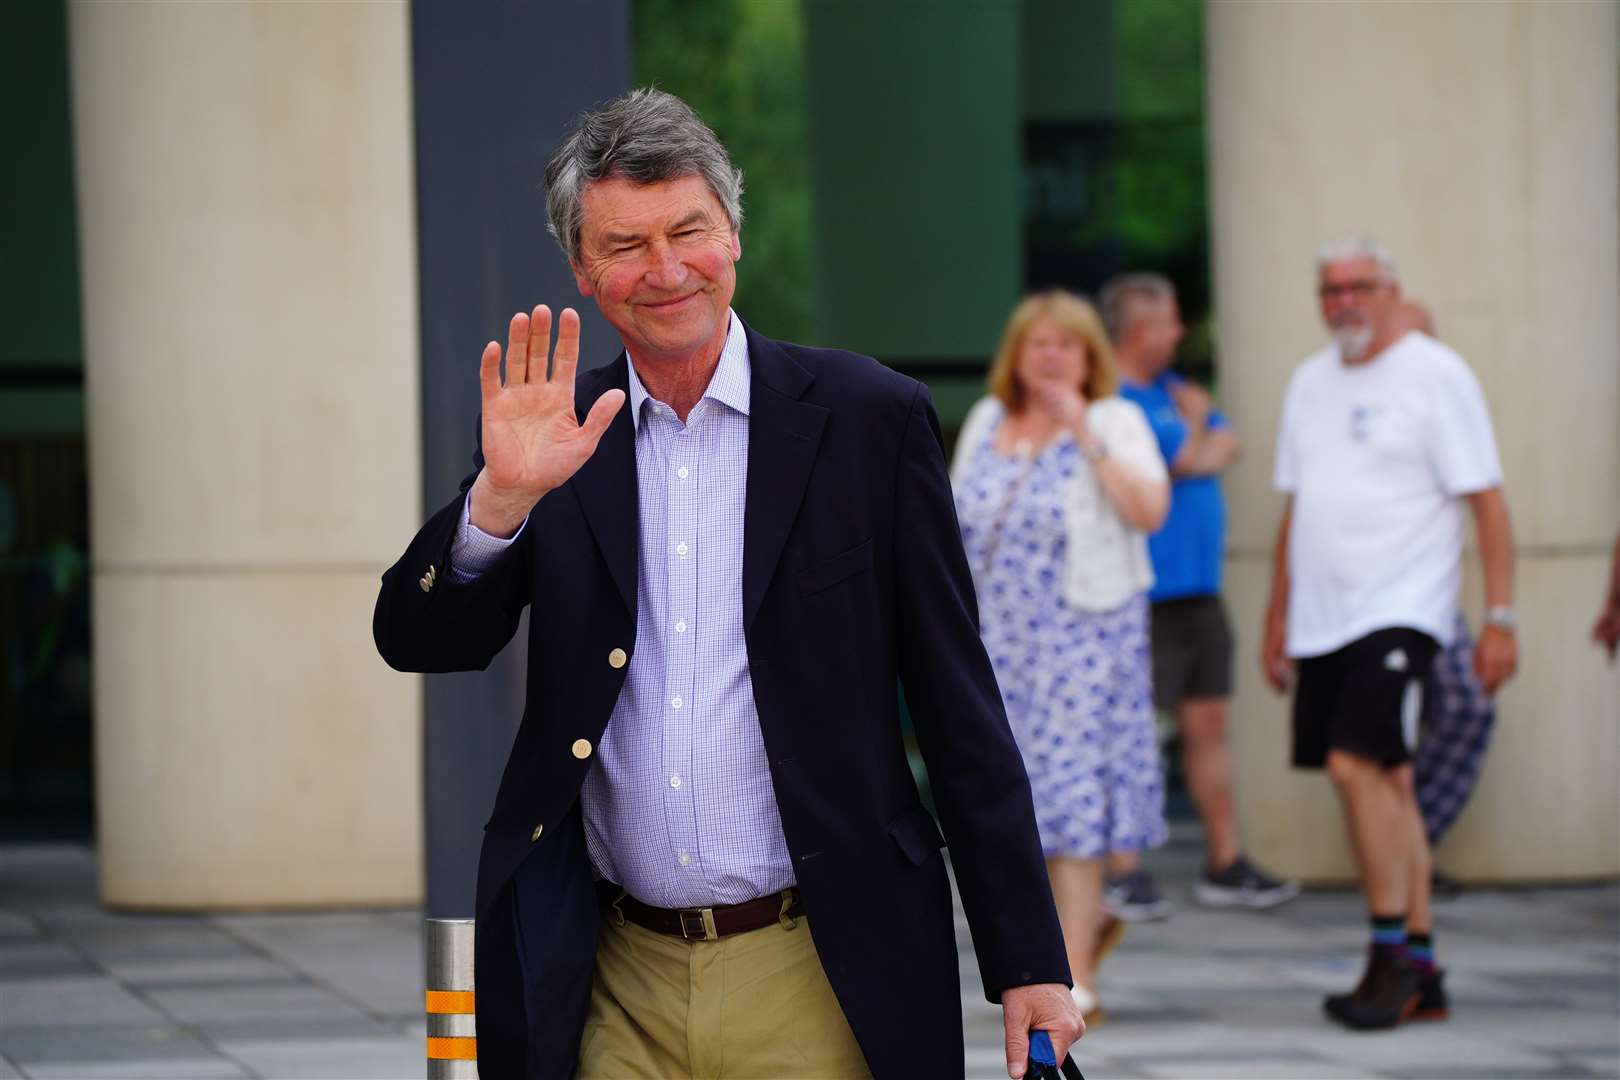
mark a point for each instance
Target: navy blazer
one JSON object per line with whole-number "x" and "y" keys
{"x": 854, "y": 580}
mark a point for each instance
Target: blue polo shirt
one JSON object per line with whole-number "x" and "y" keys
{"x": 1187, "y": 550}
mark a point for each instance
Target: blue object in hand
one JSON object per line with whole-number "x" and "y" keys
{"x": 1040, "y": 1049}
{"x": 1043, "y": 1062}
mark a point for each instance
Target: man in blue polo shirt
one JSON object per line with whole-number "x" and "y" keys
{"x": 1192, "y": 636}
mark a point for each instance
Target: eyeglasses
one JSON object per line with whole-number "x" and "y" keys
{"x": 1360, "y": 289}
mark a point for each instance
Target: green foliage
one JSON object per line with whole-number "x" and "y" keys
{"x": 1161, "y": 211}
{"x": 740, "y": 64}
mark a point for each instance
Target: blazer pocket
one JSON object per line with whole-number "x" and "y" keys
{"x": 827, "y": 574}
{"x": 916, "y": 834}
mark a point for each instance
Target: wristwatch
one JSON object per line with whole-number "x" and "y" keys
{"x": 1501, "y": 616}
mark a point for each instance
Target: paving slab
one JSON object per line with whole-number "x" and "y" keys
{"x": 1604, "y": 1064}
{"x": 323, "y": 1059}
{"x": 195, "y": 970}
{"x": 71, "y": 1001}
{"x": 290, "y": 1004}
{"x": 218, "y": 1032}
{"x": 39, "y": 956}
{"x": 1281, "y": 1068}
{"x": 200, "y": 1068}
{"x": 373, "y": 958}
{"x": 106, "y": 1042}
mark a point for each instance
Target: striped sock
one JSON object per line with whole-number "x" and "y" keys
{"x": 1389, "y": 931}
{"x": 1420, "y": 950}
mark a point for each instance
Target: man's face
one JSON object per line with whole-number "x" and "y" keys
{"x": 1157, "y": 329}
{"x": 660, "y": 259}
{"x": 1358, "y": 303}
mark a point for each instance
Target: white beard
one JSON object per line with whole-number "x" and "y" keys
{"x": 1353, "y": 339}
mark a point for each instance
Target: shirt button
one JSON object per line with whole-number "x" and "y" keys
{"x": 582, "y": 748}
{"x": 680, "y": 626}
{"x": 680, "y": 549}
{"x": 681, "y": 472}
{"x": 617, "y": 658}
{"x": 675, "y": 781}
{"x": 538, "y": 829}
{"x": 677, "y": 703}
{"x": 685, "y": 859}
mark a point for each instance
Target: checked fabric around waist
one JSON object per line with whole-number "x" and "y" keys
{"x": 700, "y": 924}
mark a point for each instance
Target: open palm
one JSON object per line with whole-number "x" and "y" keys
{"x": 532, "y": 438}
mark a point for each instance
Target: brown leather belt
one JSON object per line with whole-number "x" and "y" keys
{"x": 701, "y": 924}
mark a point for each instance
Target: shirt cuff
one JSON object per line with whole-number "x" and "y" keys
{"x": 474, "y": 550}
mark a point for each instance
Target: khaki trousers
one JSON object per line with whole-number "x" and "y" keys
{"x": 746, "y": 1007}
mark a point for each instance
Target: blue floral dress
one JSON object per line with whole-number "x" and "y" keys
{"x": 1076, "y": 684}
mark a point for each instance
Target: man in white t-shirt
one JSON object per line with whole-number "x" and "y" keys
{"x": 1384, "y": 434}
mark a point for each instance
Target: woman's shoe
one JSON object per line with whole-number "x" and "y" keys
{"x": 1090, "y": 1005}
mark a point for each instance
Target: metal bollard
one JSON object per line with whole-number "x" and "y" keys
{"x": 452, "y": 1049}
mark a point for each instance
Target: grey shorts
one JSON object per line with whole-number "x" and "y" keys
{"x": 1192, "y": 650}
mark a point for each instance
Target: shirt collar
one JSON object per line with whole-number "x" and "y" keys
{"x": 729, "y": 385}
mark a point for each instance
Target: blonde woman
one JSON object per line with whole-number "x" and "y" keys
{"x": 1057, "y": 483}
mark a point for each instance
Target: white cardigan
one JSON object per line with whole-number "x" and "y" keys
{"x": 1106, "y": 562}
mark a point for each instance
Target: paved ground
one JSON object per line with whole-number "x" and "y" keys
{"x": 1535, "y": 979}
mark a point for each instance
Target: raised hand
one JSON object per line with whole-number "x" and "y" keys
{"x": 1192, "y": 402}
{"x": 532, "y": 439}
{"x": 1060, "y": 399}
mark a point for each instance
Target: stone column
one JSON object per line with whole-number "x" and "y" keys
{"x": 249, "y": 280}
{"x": 1478, "y": 141}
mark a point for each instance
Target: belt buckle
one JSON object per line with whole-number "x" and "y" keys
{"x": 697, "y": 924}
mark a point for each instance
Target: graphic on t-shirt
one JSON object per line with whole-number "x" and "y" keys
{"x": 1361, "y": 421}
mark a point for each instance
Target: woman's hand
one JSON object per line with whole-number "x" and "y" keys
{"x": 1063, "y": 402}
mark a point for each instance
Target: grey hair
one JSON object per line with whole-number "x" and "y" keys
{"x": 1120, "y": 291}
{"x": 646, "y": 136}
{"x": 1357, "y": 247}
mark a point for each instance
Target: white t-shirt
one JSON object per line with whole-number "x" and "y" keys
{"x": 1376, "y": 456}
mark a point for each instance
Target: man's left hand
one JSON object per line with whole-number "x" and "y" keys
{"x": 1192, "y": 401}
{"x": 1047, "y": 1007}
{"x": 1496, "y": 657}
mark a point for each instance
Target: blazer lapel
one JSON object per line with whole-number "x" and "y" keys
{"x": 606, "y": 483}
{"x": 784, "y": 434}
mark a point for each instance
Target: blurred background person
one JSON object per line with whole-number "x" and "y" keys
{"x": 1057, "y": 482}
{"x": 1606, "y": 631}
{"x": 1381, "y": 438}
{"x": 1458, "y": 715}
{"x": 1190, "y": 630}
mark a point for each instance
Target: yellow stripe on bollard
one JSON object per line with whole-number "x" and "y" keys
{"x": 442, "y": 1002}
{"x": 451, "y": 1049}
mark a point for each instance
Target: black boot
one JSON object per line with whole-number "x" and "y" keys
{"x": 1432, "y": 1002}
{"x": 1389, "y": 992}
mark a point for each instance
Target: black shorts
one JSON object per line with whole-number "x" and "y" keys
{"x": 1365, "y": 699}
{"x": 1192, "y": 650}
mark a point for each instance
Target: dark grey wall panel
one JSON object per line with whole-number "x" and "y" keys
{"x": 495, "y": 85}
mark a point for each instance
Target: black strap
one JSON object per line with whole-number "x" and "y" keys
{"x": 1071, "y": 1071}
